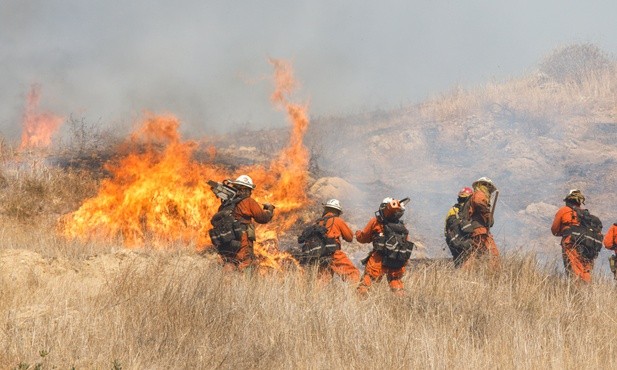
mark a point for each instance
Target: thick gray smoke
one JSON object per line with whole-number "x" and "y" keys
{"x": 206, "y": 61}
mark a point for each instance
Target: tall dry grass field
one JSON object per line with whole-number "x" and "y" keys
{"x": 84, "y": 305}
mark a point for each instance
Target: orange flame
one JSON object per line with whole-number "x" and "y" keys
{"x": 38, "y": 127}
{"x": 158, "y": 194}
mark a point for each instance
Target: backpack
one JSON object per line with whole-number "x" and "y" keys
{"x": 392, "y": 244}
{"x": 587, "y": 237}
{"x": 457, "y": 238}
{"x": 315, "y": 243}
{"x": 226, "y": 231}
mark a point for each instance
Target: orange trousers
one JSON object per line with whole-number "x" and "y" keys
{"x": 575, "y": 264}
{"x": 482, "y": 246}
{"x": 374, "y": 272}
{"x": 243, "y": 259}
{"x": 342, "y": 266}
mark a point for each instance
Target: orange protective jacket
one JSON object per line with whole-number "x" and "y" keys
{"x": 573, "y": 263}
{"x": 373, "y": 227}
{"x": 374, "y": 270}
{"x": 337, "y": 228}
{"x": 480, "y": 212}
{"x": 248, "y": 209}
{"x": 610, "y": 239}
{"x": 564, "y": 218}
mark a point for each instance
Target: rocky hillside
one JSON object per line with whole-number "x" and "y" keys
{"x": 536, "y": 136}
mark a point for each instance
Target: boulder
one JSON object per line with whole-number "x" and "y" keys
{"x": 334, "y": 187}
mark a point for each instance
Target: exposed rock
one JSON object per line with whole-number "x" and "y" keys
{"x": 334, "y": 187}
{"x": 541, "y": 210}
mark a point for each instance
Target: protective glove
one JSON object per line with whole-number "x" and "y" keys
{"x": 269, "y": 207}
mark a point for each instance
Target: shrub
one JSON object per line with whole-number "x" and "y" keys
{"x": 575, "y": 63}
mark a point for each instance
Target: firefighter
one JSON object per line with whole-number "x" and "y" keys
{"x": 566, "y": 218}
{"x": 245, "y": 210}
{"x": 610, "y": 242}
{"x": 386, "y": 226}
{"x": 454, "y": 238}
{"x": 337, "y": 228}
{"x": 481, "y": 217}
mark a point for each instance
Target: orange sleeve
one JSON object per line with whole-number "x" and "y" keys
{"x": 249, "y": 208}
{"x": 609, "y": 238}
{"x": 343, "y": 229}
{"x": 564, "y": 218}
{"x": 556, "y": 226}
{"x": 366, "y": 235}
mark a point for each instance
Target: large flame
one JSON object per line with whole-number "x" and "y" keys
{"x": 158, "y": 194}
{"x": 38, "y": 127}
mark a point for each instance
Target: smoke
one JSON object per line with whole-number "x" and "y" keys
{"x": 206, "y": 62}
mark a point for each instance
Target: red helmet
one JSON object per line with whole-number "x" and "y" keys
{"x": 465, "y": 192}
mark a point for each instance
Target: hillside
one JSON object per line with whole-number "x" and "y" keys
{"x": 536, "y": 136}
{"x": 92, "y": 302}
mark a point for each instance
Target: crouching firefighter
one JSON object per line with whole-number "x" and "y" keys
{"x": 233, "y": 232}
{"x": 479, "y": 215}
{"x": 457, "y": 240}
{"x": 581, "y": 236}
{"x": 610, "y": 243}
{"x": 391, "y": 246}
{"x": 321, "y": 245}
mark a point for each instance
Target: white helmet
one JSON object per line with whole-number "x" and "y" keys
{"x": 485, "y": 180}
{"x": 387, "y": 200}
{"x": 244, "y": 180}
{"x": 334, "y": 204}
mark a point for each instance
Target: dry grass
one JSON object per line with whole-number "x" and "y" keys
{"x": 581, "y": 89}
{"x": 96, "y": 305}
{"x": 146, "y": 309}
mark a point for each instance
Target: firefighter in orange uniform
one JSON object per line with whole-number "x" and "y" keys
{"x": 610, "y": 243}
{"x": 338, "y": 263}
{"x": 246, "y": 210}
{"x": 385, "y": 226}
{"x": 564, "y": 219}
{"x": 482, "y": 242}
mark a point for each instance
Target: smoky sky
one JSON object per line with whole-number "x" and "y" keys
{"x": 207, "y": 61}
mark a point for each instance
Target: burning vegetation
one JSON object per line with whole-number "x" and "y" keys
{"x": 38, "y": 127}
{"x": 158, "y": 194}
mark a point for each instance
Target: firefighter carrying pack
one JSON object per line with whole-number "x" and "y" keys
{"x": 226, "y": 231}
{"x": 458, "y": 231}
{"x": 392, "y": 244}
{"x": 587, "y": 237}
{"x": 316, "y": 246}
{"x": 457, "y": 238}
